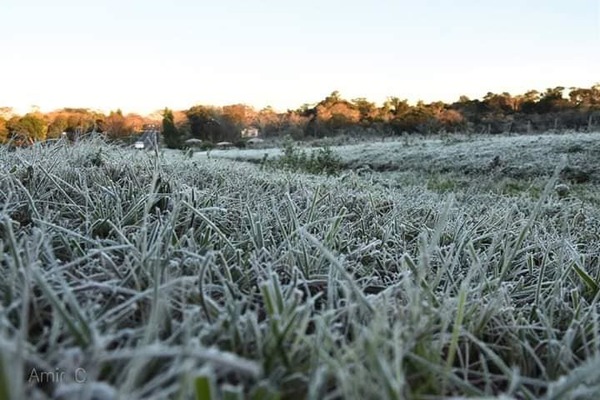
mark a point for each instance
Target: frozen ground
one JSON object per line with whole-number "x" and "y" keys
{"x": 513, "y": 156}
{"x": 187, "y": 278}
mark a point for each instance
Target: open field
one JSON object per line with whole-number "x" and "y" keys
{"x": 519, "y": 157}
{"x": 426, "y": 269}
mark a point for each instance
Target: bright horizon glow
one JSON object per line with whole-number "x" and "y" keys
{"x": 142, "y": 56}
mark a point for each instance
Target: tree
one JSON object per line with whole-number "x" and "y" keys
{"x": 367, "y": 109}
{"x": 552, "y": 101}
{"x": 57, "y": 126}
{"x": 233, "y": 119}
{"x": 587, "y": 103}
{"x": 419, "y": 118}
{"x": 240, "y": 115}
{"x": 33, "y": 126}
{"x": 170, "y": 131}
{"x": 116, "y": 126}
{"x": 3, "y": 130}
{"x": 333, "y": 98}
{"x": 268, "y": 121}
{"x": 6, "y": 113}
{"x": 202, "y": 122}
{"x": 586, "y": 98}
{"x": 339, "y": 114}
{"x": 135, "y": 122}
{"x": 529, "y": 101}
{"x": 451, "y": 119}
{"x": 209, "y": 123}
{"x": 394, "y": 107}
{"x": 500, "y": 104}
{"x": 73, "y": 120}
{"x": 331, "y": 114}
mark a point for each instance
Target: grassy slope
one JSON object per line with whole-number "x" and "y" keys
{"x": 150, "y": 273}
{"x": 518, "y": 156}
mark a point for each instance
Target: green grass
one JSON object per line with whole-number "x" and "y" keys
{"x": 188, "y": 278}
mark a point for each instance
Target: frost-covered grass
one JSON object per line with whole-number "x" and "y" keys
{"x": 177, "y": 277}
{"x": 519, "y": 157}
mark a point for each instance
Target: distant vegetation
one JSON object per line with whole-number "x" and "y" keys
{"x": 556, "y": 109}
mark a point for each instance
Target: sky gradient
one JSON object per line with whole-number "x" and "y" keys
{"x": 141, "y": 56}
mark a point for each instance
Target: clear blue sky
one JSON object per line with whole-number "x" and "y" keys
{"x": 145, "y": 55}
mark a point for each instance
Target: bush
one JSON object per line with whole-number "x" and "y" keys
{"x": 324, "y": 160}
{"x": 240, "y": 144}
{"x": 205, "y": 146}
{"x": 320, "y": 161}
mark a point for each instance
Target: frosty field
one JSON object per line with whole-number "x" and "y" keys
{"x": 465, "y": 267}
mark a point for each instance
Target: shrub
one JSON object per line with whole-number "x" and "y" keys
{"x": 205, "y": 146}
{"x": 240, "y": 144}
{"x": 320, "y": 161}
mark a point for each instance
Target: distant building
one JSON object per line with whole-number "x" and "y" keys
{"x": 224, "y": 145}
{"x": 250, "y": 132}
{"x": 193, "y": 142}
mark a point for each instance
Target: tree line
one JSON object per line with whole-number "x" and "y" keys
{"x": 555, "y": 108}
